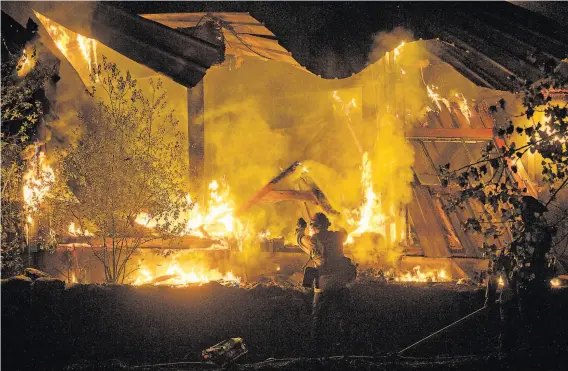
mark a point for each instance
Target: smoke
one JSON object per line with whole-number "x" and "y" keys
{"x": 263, "y": 116}
{"x": 386, "y": 41}
{"x": 256, "y": 127}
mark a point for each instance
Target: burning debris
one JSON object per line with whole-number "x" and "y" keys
{"x": 415, "y": 275}
{"x": 174, "y": 275}
{"x": 215, "y": 221}
{"x": 37, "y": 184}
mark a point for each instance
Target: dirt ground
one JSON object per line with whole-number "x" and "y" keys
{"x": 46, "y": 325}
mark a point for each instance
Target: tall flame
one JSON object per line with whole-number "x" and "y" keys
{"x": 397, "y": 51}
{"x": 67, "y": 41}
{"x": 217, "y": 220}
{"x": 37, "y": 183}
{"x": 88, "y": 49}
{"x": 370, "y": 215}
{"x": 464, "y": 107}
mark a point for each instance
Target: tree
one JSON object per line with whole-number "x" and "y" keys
{"x": 129, "y": 161}
{"x": 541, "y": 131}
{"x": 24, "y": 77}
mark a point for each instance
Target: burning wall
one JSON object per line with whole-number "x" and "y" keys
{"x": 262, "y": 115}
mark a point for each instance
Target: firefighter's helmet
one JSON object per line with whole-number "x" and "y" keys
{"x": 320, "y": 221}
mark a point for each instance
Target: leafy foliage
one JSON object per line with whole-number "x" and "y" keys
{"x": 129, "y": 160}
{"x": 21, "y": 110}
{"x": 495, "y": 180}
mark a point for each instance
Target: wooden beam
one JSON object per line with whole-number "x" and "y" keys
{"x": 269, "y": 187}
{"x": 452, "y": 135}
{"x": 274, "y": 196}
{"x": 196, "y": 136}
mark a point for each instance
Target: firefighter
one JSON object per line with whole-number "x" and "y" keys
{"x": 502, "y": 290}
{"x": 525, "y": 271}
{"x": 535, "y": 276}
{"x": 331, "y": 294}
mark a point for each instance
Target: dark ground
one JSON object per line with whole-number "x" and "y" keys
{"x": 48, "y": 326}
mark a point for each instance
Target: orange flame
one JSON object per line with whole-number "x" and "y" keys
{"x": 25, "y": 63}
{"x": 370, "y": 213}
{"x": 175, "y": 275}
{"x": 37, "y": 183}
{"x": 67, "y": 41}
{"x": 75, "y": 231}
{"x": 464, "y": 107}
{"x": 417, "y": 275}
{"x": 217, "y": 220}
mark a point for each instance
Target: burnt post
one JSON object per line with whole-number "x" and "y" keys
{"x": 196, "y": 136}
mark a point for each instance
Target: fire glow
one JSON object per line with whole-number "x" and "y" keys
{"x": 217, "y": 220}
{"x": 435, "y": 97}
{"x": 77, "y": 231}
{"x": 370, "y": 216}
{"x": 37, "y": 183}
{"x": 175, "y": 275}
{"x": 66, "y": 43}
{"x": 25, "y": 63}
{"x": 417, "y": 275}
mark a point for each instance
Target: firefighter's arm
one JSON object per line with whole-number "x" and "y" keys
{"x": 307, "y": 243}
{"x": 304, "y": 241}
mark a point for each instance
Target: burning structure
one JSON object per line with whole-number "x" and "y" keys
{"x": 364, "y": 149}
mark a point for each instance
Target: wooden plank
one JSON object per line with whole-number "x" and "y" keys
{"x": 427, "y": 225}
{"x": 268, "y": 187}
{"x": 520, "y": 176}
{"x": 196, "y": 136}
{"x": 447, "y": 224}
{"x": 287, "y": 195}
{"x": 183, "y": 58}
{"x": 263, "y": 43}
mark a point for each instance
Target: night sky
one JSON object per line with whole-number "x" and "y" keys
{"x": 332, "y": 39}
